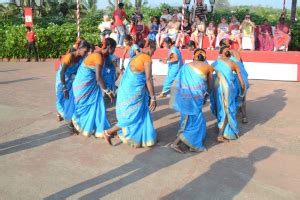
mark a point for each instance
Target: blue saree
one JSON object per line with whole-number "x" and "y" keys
{"x": 173, "y": 69}
{"x": 132, "y": 110}
{"x": 109, "y": 72}
{"x": 237, "y": 84}
{"x": 90, "y": 113}
{"x": 132, "y": 51}
{"x": 65, "y": 107}
{"x": 187, "y": 97}
{"x": 223, "y": 99}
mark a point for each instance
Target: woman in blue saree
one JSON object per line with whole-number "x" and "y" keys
{"x": 223, "y": 103}
{"x": 135, "y": 126}
{"x": 174, "y": 62}
{"x": 240, "y": 101}
{"x": 90, "y": 112}
{"x": 109, "y": 75}
{"x": 64, "y": 80}
{"x": 133, "y": 49}
{"x": 189, "y": 93}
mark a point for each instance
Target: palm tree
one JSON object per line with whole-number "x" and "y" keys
{"x": 9, "y": 9}
{"x": 293, "y": 11}
{"x": 140, "y": 3}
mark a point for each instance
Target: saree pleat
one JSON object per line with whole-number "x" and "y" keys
{"x": 65, "y": 107}
{"x": 173, "y": 69}
{"x": 187, "y": 97}
{"x": 223, "y": 99}
{"x": 90, "y": 113}
{"x": 132, "y": 110}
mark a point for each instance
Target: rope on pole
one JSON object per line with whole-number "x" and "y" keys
{"x": 78, "y": 19}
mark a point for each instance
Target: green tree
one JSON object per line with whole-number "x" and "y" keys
{"x": 221, "y": 5}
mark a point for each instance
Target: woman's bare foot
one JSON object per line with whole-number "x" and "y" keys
{"x": 59, "y": 118}
{"x": 222, "y": 139}
{"x": 107, "y": 137}
{"x": 176, "y": 148}
{"x": 161, "y": 95}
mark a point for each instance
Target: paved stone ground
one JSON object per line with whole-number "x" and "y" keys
{"x": 40, "y": 159}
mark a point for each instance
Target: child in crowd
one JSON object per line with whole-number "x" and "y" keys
{"x": 210, "y": 32}
{"x": 154, "y": 25}
{"x": 235, "y": 35}
{"x": 133, "y": 30}
{"x": 198, "y": 32}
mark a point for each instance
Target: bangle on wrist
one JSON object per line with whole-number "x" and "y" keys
{"x": 153, "y": 98}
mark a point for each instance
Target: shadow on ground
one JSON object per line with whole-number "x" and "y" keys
{"x": 18, "y": 80}
{"x": 225, "y": 179}
{"x": 34, "y": 141}
{"x": 263, "y": 109}
{"x": 141, "y": 166}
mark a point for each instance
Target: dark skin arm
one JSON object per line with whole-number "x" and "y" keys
{"x": 173, "y": 58}
{"x": 123, "y": 58}
{"x": 235, "y": 68}
{"x": 100, "y": 80}
{"x": 120, "y": 72}
{"x": 149, "y": 84}
{"x": 63, "y": 81}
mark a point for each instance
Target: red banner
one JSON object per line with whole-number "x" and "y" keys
{"x": 28, "y": 16}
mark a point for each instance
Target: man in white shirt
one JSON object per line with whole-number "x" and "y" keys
{"x": 178, "y": 14}
{"x": 166, "y": 15}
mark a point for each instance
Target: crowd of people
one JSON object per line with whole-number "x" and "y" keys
{"x": 245, "y": 34}
{"x": 88, "y": 75}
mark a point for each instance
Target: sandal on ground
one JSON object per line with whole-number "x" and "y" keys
{"x": 107, "y": 137}
{"x": 176, "y": 148}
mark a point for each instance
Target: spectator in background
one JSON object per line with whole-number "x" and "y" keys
{"x": 137, "y": 13}
{"x": 140, "y": 28}
{"x": 265, "y": 37}
{"x": 173, "y": 29}
{"x": 210, "y": 32}
{"x": 154, "y": 26}
{"x": 282, "y": 35}
{"x": 247, "y": 28}
{"x": 166, "y": 15}
{"x": 235, "y": 35}
{"x": 199, "y": 9}
{"x": 223, "y": 29}
{"x": 233, "y": 22}
{"x": 31, "y": 39}
{"x": 198, "y": 29}
{"x": 133, "y": 29}
{"x": 118, "y": 16}
{"x": 177, "y": 14}
{"x": 184, "y": 36}
{"x": 105, "y": 27}
{"x": 162, "y": 30}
